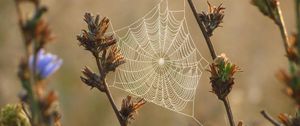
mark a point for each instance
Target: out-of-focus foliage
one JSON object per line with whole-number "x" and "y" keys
{"x": 13, "y": 115}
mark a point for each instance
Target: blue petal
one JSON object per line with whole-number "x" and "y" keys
{"x": 51, "y": 68}
{"x": 44, "y": 61}
{"x": 40, "y": 56}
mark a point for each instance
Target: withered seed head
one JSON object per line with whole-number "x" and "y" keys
{"x": 92, "y": 79}
{"x": 104, "y": 49}
{"x": 114, "y": 59}
{"x": 95, "y": 39}
{"x": 213, "y": 18}
{"x": 222, "y": 72}
{"x": 129, "y": 108}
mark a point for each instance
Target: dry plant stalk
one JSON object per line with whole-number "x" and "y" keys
{"x": 36, "y": 66}
{"x": 271, "y": 8}
{"x": 129, "y": 108}
{"x": 222, "y": 71}
{"x": 108, "y": 57}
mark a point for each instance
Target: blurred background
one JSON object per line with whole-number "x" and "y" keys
{"x": 249, "y": 39}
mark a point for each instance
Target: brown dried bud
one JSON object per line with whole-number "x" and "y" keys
{"x": 95, "y": 39}
{"x": 292, "y": 83}
{"x": 23, "y": 71}
{"x": 222, "y": 72}
{"x": 92, "y": 79}
{"x": 213, "y": 18}
{"x": 284, "y": 77}
{"x": 130, "y": 108}
{"x": 103, "y": 26}
{"x": 289, "y": 120}
{"x": 114, "y": 59}
{"x": 43, "y": 33}
{"x": 240, "y": 123}
{"x": 48, "y": 106}
{"x": 50, "y": 99}
{"x": 292, "y": 50}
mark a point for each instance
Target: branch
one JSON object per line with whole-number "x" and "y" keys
{"x": 28, "y": 82}
{"x": 282, "y": 27}
{"x": 213, "y": 55}
{"x": 270, "y": 118}
{"x": 229, "y": 112}
{"x": 297, "y": 3}
{"x": 108, "y": 94}
{"x": 206, "y": 36}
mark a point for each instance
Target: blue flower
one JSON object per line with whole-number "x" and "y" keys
{"x": 46, "y": 64}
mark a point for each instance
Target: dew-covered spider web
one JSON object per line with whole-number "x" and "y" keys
{"x": 163, "y": 64}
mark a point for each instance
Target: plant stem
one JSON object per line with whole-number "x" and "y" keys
{"x": 26, "y": 112}
{"x": 213, "y": 55}
{"x": 21, "y": 25}
{"x": 27, "y": 84}
{"x": 38, "y": 112}
{"x": 229, "y": 112}
{"x": 206, "y": 36}
{"x": 282, "y": 27}
{"x": 268, "y": 117}
{"x": 108, "y": 94}
{"x": 297, "y": 3}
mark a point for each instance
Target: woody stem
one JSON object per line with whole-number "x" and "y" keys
{"x": 206, "y": 36}
{"x": 213, "y": 55}
{"x": 108, "y": 94}
{"x": 228, "y": 110}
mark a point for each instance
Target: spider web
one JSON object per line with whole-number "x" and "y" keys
{"x": 163, "y": 64}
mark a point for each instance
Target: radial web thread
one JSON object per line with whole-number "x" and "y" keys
{"x": 163, "y": 64}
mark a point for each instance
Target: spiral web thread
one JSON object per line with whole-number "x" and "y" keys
{"x": 163, "y": 65}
